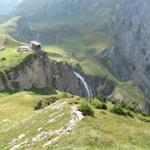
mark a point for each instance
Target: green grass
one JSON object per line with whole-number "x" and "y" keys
{"x": 12, "y": 58}
{"x": 9, "y": 57}
{"x": 9, "y": 25}
{"x": 105, "y": 130}
{"x": 17, "y": 110}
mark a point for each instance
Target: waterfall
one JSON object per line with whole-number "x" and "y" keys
{"x": 85, "y": 84}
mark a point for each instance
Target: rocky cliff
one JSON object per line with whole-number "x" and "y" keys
{"x": 33, "y": 71}
{"x": 37, "y": 71}
{"x": 129, "y": 59}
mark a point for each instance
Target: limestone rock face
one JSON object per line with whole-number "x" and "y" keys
{"x": 65, "y": 80}
{"x": 129, "y": 58}
{"x": 36, "y": 71}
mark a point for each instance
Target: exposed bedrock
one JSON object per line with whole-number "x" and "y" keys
{"x": 129, "y": 58}
{"x": 37, "y": 71}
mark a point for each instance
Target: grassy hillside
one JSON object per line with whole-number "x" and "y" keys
{"x": 80, "y": 49}
{"x": 129, "y": 92}
{"x": 9, "y": 25}
{"x": 9, "y": 57}
{"x": 47, "y": 119}
{"x": 22, "y": 127}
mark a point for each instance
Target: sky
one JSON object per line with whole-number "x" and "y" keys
{"x": 7, "y": 5}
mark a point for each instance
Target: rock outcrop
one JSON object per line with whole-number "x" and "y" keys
{"x": 129, "y": 58}
{"x": 37, "y": 71}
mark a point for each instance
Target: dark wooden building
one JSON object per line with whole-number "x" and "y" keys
{"x": 36, "y": 46}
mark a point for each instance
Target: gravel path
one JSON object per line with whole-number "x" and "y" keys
{"x": 76, "y": 116}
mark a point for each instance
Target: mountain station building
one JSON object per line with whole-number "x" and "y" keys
{"x": 33, "y": 46}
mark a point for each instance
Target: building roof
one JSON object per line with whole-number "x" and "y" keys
{"x": 35, "y": 43}
{"x": 24, "y": 48}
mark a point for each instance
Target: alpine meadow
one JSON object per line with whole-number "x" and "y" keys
{"x": 74, "y": 75}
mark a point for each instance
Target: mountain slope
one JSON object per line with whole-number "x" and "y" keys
{"x": 54, "y": 127}
{"x": 35, "y": 116}
{"x": 128, "y": 59}
{"x": 57, "y": 18}
{"x": 78, "y": 34}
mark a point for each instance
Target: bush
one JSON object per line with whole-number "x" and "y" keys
{"x": 95, "y": 102}
{"x": 102, "y": 106}
{"x": 121, "y": 103}
{"x": 114, "y": 102}
{"x": 118, "y": 110}
{"x": 51, "y": 99}
{"x": 102, "y": 98}
{"x": 144, "y": 114}
{"x": 86, "y": 109}
{"x": 38, "y": 105}
{"x": 129, "y": 114}
{"x": 99, "y": 105}
{"x": 135, "y": 108}
{"x": 2, "y": 59}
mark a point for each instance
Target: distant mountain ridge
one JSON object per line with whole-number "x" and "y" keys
{"x": 51, "y": 21}
{"x": 129, "y": 59}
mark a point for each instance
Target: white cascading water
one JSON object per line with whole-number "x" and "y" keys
{"x": 85, "y": 84}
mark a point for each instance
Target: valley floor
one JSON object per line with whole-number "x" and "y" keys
{"x": 60, "y": 126}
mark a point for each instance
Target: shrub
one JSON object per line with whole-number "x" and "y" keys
{"x": 123, "y": 104}
{"x": 2, "y": 59}
{"x": 102, "y": 106}
{"x": 38, "y": 105}
{"x": 86, "y": 109}
{"x": 129, "y": 114}
{"x": 97, "y": 104}
{"x": 119, "y": 102}
{"x": 118, "y": 110}
{"x": 66, "y": 95}
{"x": 132, "y": 108}
{"x": 52, "y": 99}
{"x": 102, "y": 98}
{"x": 114, "y": 102}
{"x": 144, "y": 114}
